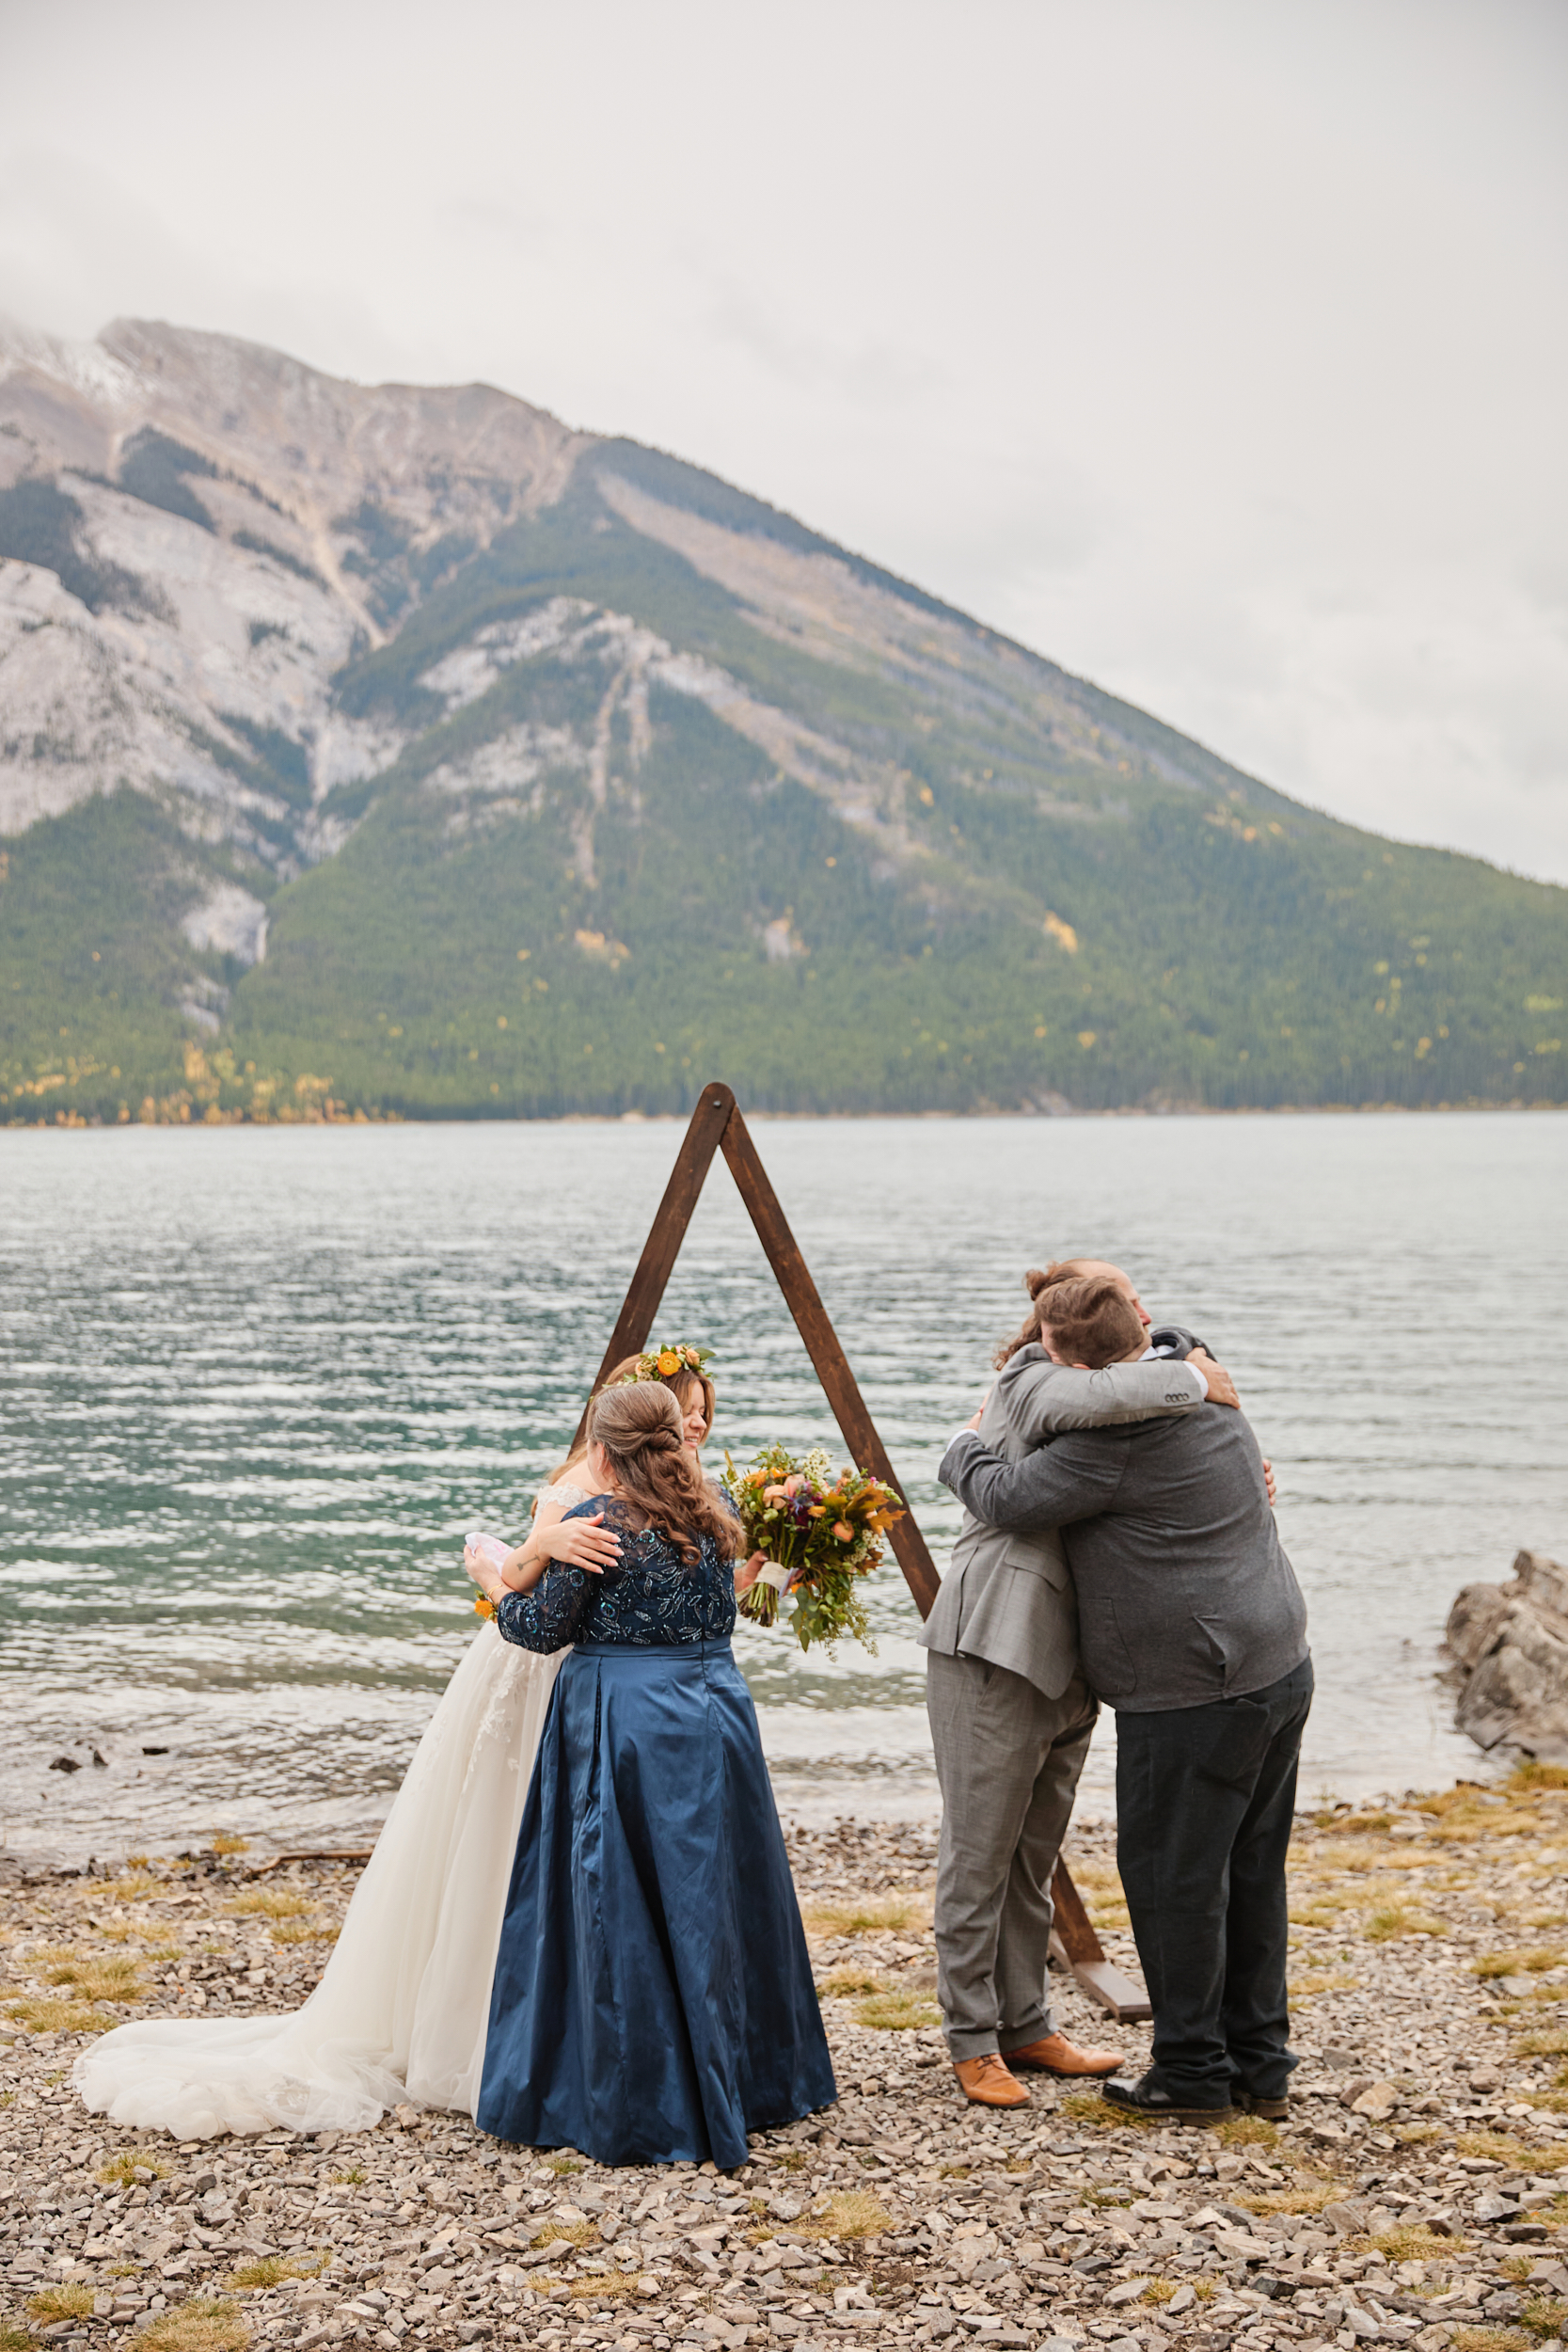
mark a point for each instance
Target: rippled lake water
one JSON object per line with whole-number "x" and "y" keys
{"x": 257, "y": 1381}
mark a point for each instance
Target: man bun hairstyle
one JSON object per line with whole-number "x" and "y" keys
{"x": 639, "y": 1426}
{"x": 1090, "y": 1322}
{"x": 1036, "y": 1282}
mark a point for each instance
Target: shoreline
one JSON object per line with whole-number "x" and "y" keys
{"x": 1411, "y": 2196}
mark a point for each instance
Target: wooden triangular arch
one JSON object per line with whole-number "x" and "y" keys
{"x": 717, "y": 1125}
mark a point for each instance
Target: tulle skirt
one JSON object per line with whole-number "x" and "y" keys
{"x": 652, "y": 1997}
{"x": 401, "y": 2011}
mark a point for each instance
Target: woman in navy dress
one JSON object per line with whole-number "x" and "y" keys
{"x": 653, "y": 1999}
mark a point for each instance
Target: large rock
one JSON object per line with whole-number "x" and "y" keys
{"x": 1509, "y": 1643}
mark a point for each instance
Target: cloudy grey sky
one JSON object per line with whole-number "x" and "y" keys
{"x": 1214, "y": 347}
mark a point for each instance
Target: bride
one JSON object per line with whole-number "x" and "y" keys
{"x": 402, "y": 2008}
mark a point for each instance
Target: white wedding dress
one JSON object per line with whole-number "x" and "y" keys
{"x": 401, "y": 2009}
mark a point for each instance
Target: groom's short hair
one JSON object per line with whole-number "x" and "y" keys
{"x": 1090, "y": 1320}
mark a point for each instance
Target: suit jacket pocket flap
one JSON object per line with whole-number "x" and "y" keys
{"x": 1038, "y": 1559}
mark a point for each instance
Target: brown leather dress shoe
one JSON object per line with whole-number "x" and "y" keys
{"x": 1056, "y": 2055}
{"x": 986, "y": 2082}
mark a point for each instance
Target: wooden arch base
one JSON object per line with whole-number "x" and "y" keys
{"x": 717, "y": 1125}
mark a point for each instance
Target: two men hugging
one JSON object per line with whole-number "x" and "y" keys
{"x": 1118, "y": 1544}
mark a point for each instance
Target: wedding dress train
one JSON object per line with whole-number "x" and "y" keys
{"x": 401, "y": 2009}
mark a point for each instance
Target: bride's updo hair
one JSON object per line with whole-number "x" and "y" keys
{"x": 685, "y": 1386}
{"x": 1036, "y": 1282}
{"x": 640, "y": 1429}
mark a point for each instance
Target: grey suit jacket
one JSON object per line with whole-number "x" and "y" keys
{"x": 1006, "y": 1595}
{"x": 1184, "y": 1593}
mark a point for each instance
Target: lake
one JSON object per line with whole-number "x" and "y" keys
{"x": 257, "y": 1381}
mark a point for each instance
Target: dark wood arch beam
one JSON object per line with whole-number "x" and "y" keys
{"x": 717, "y": 1125}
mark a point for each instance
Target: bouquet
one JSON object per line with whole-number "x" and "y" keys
{"x": 820, "y": 1534}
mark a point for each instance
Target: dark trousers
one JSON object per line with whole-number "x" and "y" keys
{"x": 1204, "y": 1801}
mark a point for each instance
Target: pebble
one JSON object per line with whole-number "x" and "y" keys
{"x": 1410, "y": 2194}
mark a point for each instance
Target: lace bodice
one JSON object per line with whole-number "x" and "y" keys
{"x": 563, "y": 1490}
{"x": 652, "y": 1597}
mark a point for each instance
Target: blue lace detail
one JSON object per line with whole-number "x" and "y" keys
{"x": 650, "y": 1598}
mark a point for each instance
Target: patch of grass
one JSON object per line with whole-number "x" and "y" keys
{"x": 793, "y": 2160}
{"x": 1353, "y": 1825}
{"x": 223, "y": 1843}
{"x": 1417, "y": 2135}
{"x": 125, "y": 2170}
{"x": 1306, "y": 1987}
{"x": 274, "y": 2268}
{"x": 98, "y": 1979}
{"x": 838, "y": 1982}
{"x": 1490, "y": 2340}
{"x": 57, "y": 2016}
{"x": 1085, "y": 2107}
{"x": 1247, "y": 2131}
{"x": 953, "y": 2172}
{"x": 897, "y": 2012}
{"x": 1320, "y": 1912}
{"x": 574, "y": 2233}
{"x": 67, "y": 2302}
{"x": 1158, "y": 2291}
{"x": 137, "y": 1888}
{"x": 614, "y": 2287}
{"x": 302, "y": 1932}
{"x": 351, "y": 2179}
{"x": 1395, "y": 1919}
{"x": 1524, "y": 1962}
{"x": 17, "y": 2339}
{"x": 1546, "y": 2041}
{"x": 1509, "y": 2151}
{"x": 205, "y": 2323}
{"x": 563, "y": 2164}
{"x": 1541, "y": 2316}
{"x": 268, "y": 1902}
{"x": 1530, "y": 1775}
{"x": 849, "y": 2213}
{"x": 1411, "y": 2243}
{"x": 872, "y": 1911}
{"x": 1308, "y": 2196}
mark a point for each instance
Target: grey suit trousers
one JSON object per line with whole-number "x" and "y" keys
{"x": 1008, "y": 1761}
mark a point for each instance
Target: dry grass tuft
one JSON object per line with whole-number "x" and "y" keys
{"x": 1530, "y": 1775}
{"x": 14, "y": 2339}
{"x": 1248, "y": 2131}
{"x": 1308, "y": 2196}
{"x": 302, "y": 1932}
{"x": 223, "y": 1843}
{"x": 97, "y": 1979}
{"x": 614, "y": 2287}
{"x": 58, "y": 2016}
{"x": 897, "y": 2012}
{"x": 125, "y": 2170}
{"x": 1413, "y": 2243}
{"x": 571, "y": 2233}
{"x": 1158, "y": 2291}
{"x": 1490, "y": 2340}
{"x": 274, "y": 2268}
{"x": 205, "y": 2323}
{"x": 1505, "y": 2149}
{"x": 1541, "y": 2316}
{"x": 1316, "y": 1980}
{"x": 67, "y": 2302}
{"x": 137, "y": 1888}
{"x": 851, "y": 2213}
{"x": 1524, "y": 1962}
{"x": 1551, "y": 2041}
{"x": 839, "y": 1982}
{"x": 1395, "y": 1919}
{"x": 561, "y": 2163}
{"x": 872, "y": 1911}
{"x": 269, "y": 1904}
{"x": 1085, "y": 2106}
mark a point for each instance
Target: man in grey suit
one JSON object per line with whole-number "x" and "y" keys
{"x": 1011, "y": 1716}
{"x": 1193, "y": 1628}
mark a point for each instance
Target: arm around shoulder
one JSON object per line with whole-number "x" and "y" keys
{"x": 1042, "y": 1398}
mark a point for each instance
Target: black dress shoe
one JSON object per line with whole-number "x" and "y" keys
{"x": 1146, "y": 2097}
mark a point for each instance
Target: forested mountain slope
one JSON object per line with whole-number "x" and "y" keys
{"x": 398, "y": 750}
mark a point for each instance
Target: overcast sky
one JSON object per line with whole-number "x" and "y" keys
{"x": 1215, "y": 350}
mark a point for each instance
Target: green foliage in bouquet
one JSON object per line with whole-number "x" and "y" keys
{"x": 821, "y": 1532}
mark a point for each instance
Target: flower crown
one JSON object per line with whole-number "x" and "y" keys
{"x": 667, "y": 1363}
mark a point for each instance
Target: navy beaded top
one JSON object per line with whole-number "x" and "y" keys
{"x": 650, "y": 1598}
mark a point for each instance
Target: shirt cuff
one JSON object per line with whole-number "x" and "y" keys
{"x": 964, "y": 1432}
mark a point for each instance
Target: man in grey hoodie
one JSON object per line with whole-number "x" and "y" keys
{"x": 1192, "y": 1625}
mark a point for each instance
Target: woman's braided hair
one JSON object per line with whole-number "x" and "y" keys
{"x": 640, "y": 1429}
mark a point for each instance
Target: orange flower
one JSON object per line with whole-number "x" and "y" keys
{"x": 668, "y": 1361}
{"x": 844, "y": 1534}
{"x": 483, "y": 1605}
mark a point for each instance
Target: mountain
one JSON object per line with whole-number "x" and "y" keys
{"x": 399, "y": 751}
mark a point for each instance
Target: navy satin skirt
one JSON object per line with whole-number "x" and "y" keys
{"x": 652, "y": 1997}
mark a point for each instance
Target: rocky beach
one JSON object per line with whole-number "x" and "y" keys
{"x": 1412, "y": 2195}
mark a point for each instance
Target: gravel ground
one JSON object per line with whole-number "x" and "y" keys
{"x": 1412, "y": 2195}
